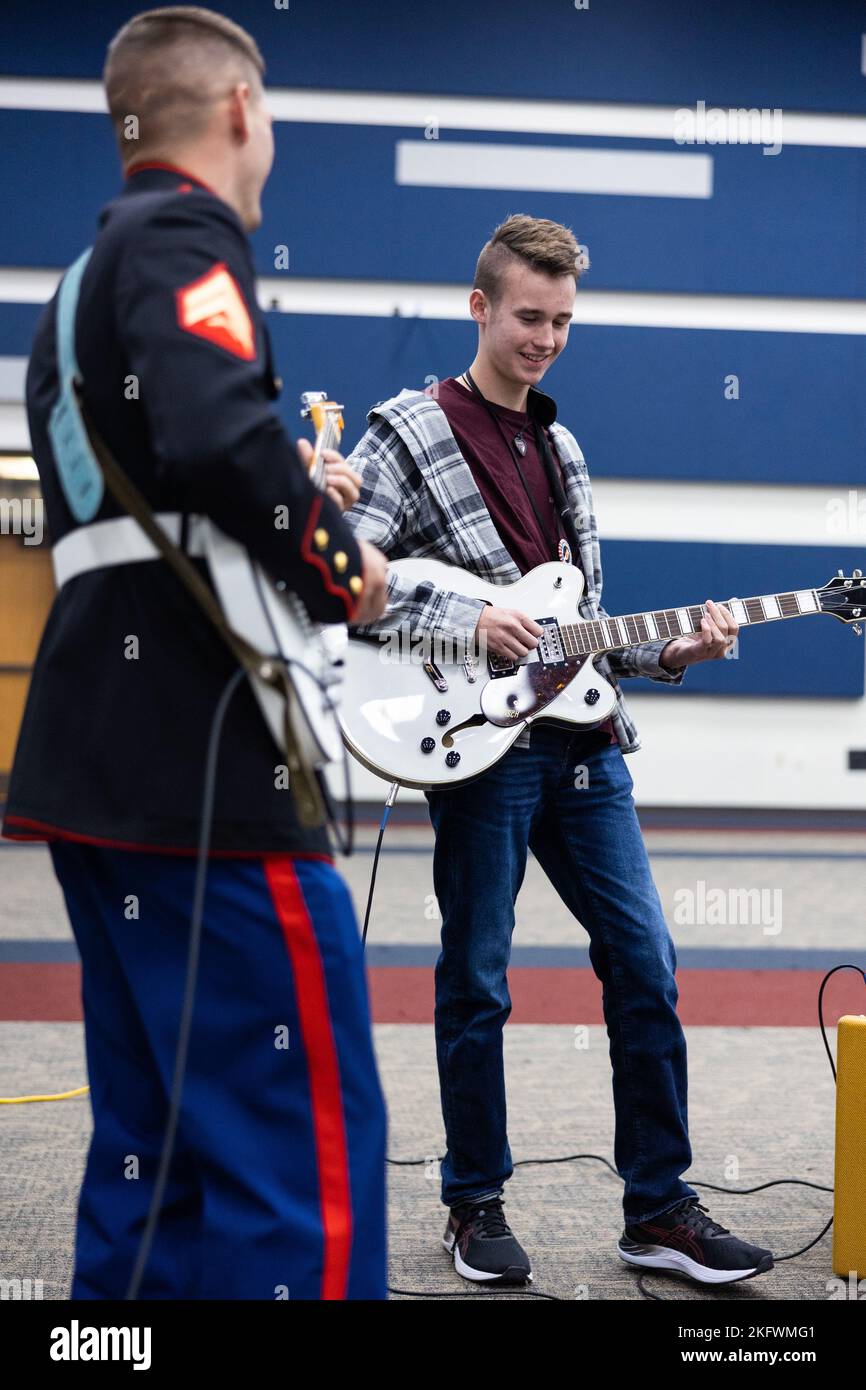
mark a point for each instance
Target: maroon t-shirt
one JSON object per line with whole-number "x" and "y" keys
{"x": 484, "y": 447}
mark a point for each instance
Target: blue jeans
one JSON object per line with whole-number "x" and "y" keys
{"x": 589, "y": 843}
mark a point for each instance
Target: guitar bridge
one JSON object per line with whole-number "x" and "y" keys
{"x": 499, "y": 665}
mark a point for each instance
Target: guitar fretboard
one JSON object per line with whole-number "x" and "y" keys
{"x": 612, "y": 634}
{"x": 329, "y": 438}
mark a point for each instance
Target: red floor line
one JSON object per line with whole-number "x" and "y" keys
{"x": 50, "y": 992}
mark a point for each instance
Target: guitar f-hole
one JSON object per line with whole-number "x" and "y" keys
{"x": 448, "y": 739}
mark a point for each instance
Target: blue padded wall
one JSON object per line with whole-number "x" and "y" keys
{"x": 788, "y": 53}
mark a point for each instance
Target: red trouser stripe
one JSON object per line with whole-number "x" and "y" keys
{"x": 324, "y": 1073}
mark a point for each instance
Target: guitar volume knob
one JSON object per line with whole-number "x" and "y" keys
{"x": 452, "y": 759}
{"x": 442, "y": 716}
{"x": 427, "y": 745}
{"x": 591, "y": 696}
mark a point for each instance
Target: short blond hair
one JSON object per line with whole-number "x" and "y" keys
{"x": 166, "y": 68}
{"x": 539, "y": 243}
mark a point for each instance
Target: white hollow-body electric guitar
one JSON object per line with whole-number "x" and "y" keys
{"x": 415, "y": 713}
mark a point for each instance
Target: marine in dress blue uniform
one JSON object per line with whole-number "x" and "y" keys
{"x": 277, "y": 1186}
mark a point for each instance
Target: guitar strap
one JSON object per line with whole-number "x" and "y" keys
{"x": 554, "y": 477}
{"x": 92, "y": 457}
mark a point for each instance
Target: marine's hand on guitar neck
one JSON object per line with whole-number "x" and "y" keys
{"x": 342, "y": 483}
{"x": 715, "y": 639}
{"x": 507, "y": 631}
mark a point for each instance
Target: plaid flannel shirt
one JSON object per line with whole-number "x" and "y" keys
{"x": 419, "y": 498}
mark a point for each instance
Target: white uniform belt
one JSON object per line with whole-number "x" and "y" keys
{"x": 119, "y": 542}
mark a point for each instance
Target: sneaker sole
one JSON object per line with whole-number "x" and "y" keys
{"x": 511, "y": 1275}
{"x": 660, "y": 1257}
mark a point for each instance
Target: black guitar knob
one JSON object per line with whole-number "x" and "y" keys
{"x": 427, "y": 745}
{"x": 442, "y": 716}
{"x": 452, "y": 759}
{"x": 591, "y": 696}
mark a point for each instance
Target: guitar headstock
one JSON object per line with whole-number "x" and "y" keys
{"x": 315, "y": 406}
{"x": 327, "y": 418}
{"x": 844, "y": 597}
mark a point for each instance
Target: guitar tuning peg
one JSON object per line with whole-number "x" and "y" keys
{"x": 858, "y": 629}
{"x": 858, "y": 574}
{"x": 841, "y": 574}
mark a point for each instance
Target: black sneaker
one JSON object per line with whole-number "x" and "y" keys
{"x": 687, "y": 1240}
{"x": 481, "y": 1241}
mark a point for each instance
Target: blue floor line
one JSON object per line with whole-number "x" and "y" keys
{"x": 543, "y": 957}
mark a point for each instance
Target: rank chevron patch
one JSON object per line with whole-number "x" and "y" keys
{"x": 213, "y": 307}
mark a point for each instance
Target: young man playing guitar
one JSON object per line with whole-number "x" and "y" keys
{"x": 469, "y": 473}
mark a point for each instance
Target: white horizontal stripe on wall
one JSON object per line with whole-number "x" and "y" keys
{"x": 410, "y": 299}
{"x": 746, "y": 513}
{"x": 14, "y": 431}
{"x": 618, "y": 120}
{"x": 722, "y": 750}
{"x": 12, "y": 373}
{"x": 553, "y": 169}
{"x": 746, "y": 751}
{"x": 19, "y": 286}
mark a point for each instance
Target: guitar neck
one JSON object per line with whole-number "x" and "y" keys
{"x": 613, "y": 634}
{"x": 328, "y": 437}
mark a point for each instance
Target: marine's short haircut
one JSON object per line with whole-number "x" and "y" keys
{"x": 166, "y": 68}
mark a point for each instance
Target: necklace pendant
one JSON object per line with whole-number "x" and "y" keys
{"x": 565, "y": 552}
{"x": 520, "y": 444}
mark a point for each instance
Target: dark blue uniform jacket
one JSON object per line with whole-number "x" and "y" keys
{"x": 178, "y": 378}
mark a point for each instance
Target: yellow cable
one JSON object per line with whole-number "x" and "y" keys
{"x": 25, "y": 1100}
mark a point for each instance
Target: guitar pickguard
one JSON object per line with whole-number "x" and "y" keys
{"x": 523, "y": 690}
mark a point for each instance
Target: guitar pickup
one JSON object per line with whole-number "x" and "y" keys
{"x": 550, "y": 643}
{"x": 436, "y": 676}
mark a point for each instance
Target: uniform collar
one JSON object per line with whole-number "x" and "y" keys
{"x": 151, "y": 175}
